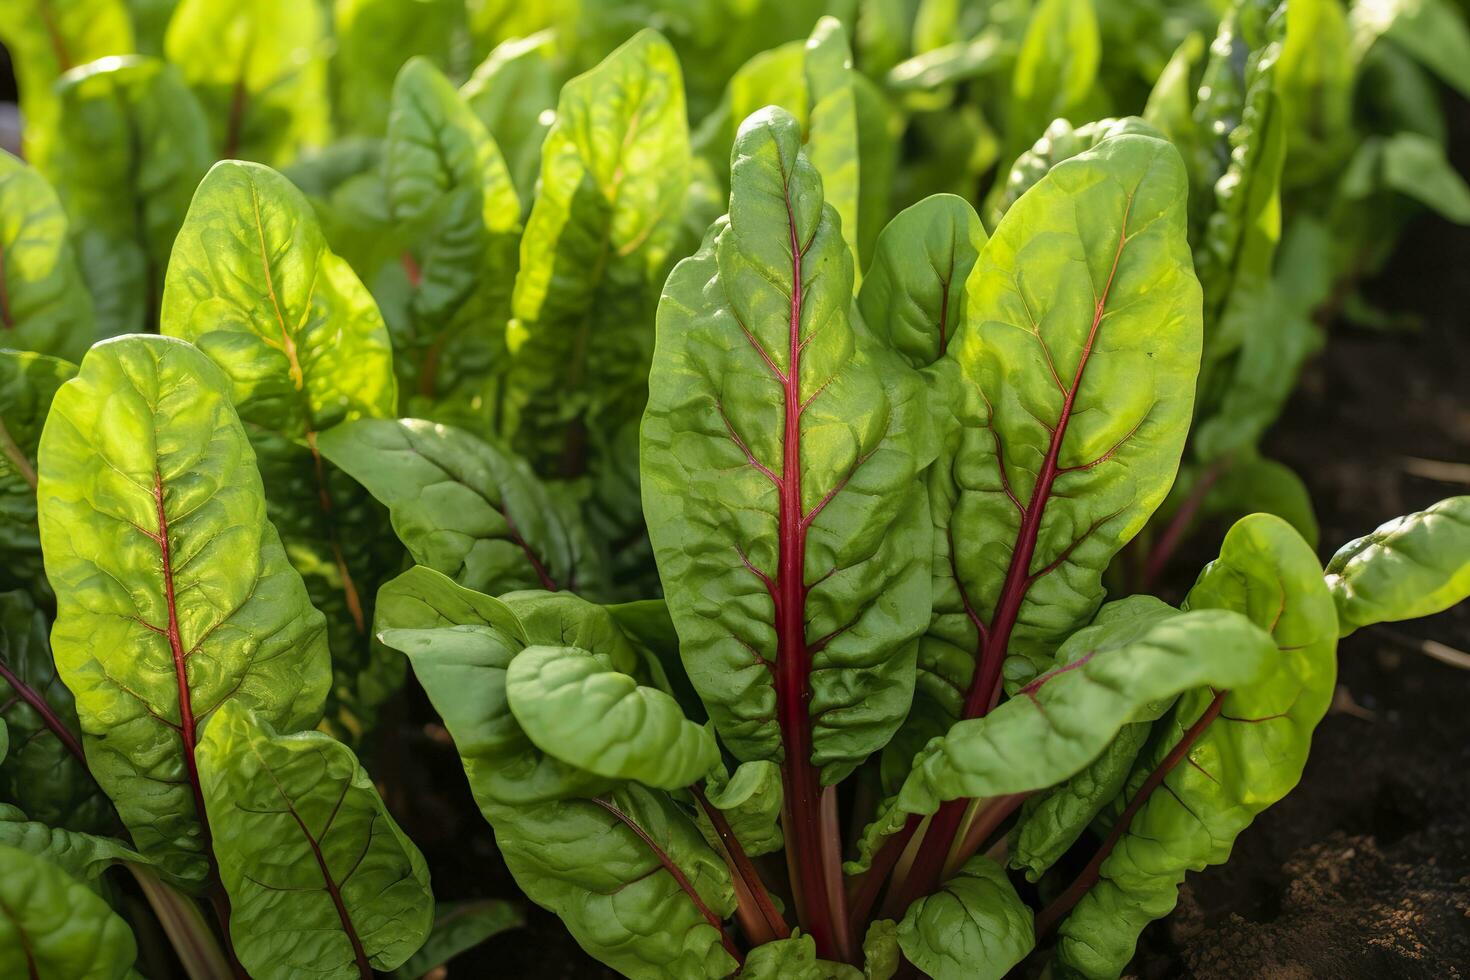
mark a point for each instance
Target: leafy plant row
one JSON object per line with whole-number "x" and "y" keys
{"x": 781, "y": 570}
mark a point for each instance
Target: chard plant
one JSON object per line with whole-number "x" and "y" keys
{"x": 776, "y": 540}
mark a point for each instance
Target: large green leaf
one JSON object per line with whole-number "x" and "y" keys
{"x": 445, "y": 178}
{"x": 321, "y": 879}
{"x": 1076, "y": 382}
{"x": 914, "y": 293}
{"x": 463, "y": 506}
{"x": 1056, "y": 67}
{"x": 41, "y": 772}
{"x": 47, "y": 38}
{"x": 83, "y": 856}
{"x": 252, "y": 282}
{"x": 27, "y": 384}
{"x": 1059, "y": 142}
{"x": 374, "y": 37}
{"x": 513, "y": 92}
{"x": 130, "y": 147}
{"x": 173, "y": 593}
{"x": 53, "y": 926}
{"x": 1412, "y": 566}
{"x": 615, "y": 886}
{"x": 782, "y": 454}
{"x": 1136, "y": 659}
{"x": 1247, "y": 758}
{"x": 775, "y": 77}
{"x": 259, "y": 69}
{"x": 46, "y": 306}
{"x": 974, "y": 928}
{"x": 574, "y": 706}
{"x": 614, "y": 172}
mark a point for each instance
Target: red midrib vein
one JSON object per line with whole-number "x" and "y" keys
{"x": 25, "y": 941}
{"x": 38, "y": 704}
{"x": 176, "y": 648}
{"x": 7, "y": 320}
{"x": 333, "y": 889}
{"x": 1019, "y": 577}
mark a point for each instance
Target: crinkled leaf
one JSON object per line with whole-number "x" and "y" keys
{"x": 914, "y": 293}
{"x": 574, "y": 707}
{"x": 259, "y": 69}
{"x": 40, "y": 773}
{"x": 1076, "y": 382}
{"x": 1412, "y": 566}
{"x": 881, "y": 954}
{"x": 83, "y": 856}
{"x": 173, "y": 593}
{"x": 27, "y": 384}
{"x": 321, "y": 879}
{"x": 460, "y": 926}
{"x": 130, "y": 146}
{"x": 446, "y": 180}
{"x": 617, "y": 898}
{"x": 52, "y": 925}
{"x": 782, "y": 453}
{"x": 750, "y": 800}
{"x": 1060, "y": 142}
{"x": 463, "y": 506}
{"x": 253, "y": 284}
{"x": 46, "y": 306}
{"x": 1116, "y": 672}
{"x": 1249, "y": 757}
{"x": 793, "y": 958}
{"x": 974, "y": 928}
{"x": 513, "y": 92}
{"x": 614, "y": 173}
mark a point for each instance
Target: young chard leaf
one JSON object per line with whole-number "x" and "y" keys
{"x": 45, "y": 771}
{"x": 614, "y": 173}
{"x": 52, "y": 925}
{"x": 513, "y": 92}
{"x": 445, "y": 178}
{"x": 259, "y": 70}
{"x": 574, "y": 706}
{"x": 976, "y": 928}
{"x": 129, "y": 149}
{"x": 253, "y": 284}
{"x": 320, "y": 877}
{"x": 790, "y": 446}
{"x": 1412, "y": 566}
{"x": 463, "y": 506}
{"x": 27, "y": 384}
{"x": 1245, "y": 743}
{"x": 44, "y": 304}
{"x": 173, "y": 593}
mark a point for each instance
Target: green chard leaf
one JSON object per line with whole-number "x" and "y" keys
{"x": 794, "y": 958}
{"x": 1056, "y": 67}
{"x": 173, "y": 593}
{"x": 130, "y": 146}
{"x": 975, "y": 928}
{"x": 1076, "y": 368}
{"x": 1314, "y": 78}
{"x": 259, "y": 70}
{"x": 253, "y": 284}
{"x": 513, "y": 92}
{"x": 614, "y": 174}
{"x": 83, "y": 856}
{"x": 445, "y": 178}
{"x": 1170, "y": 107}
{"x": 27, "y": 384}
{"x": 45, "y": 771}
{"x": 321, "y": 879}
{"x": 1245, "y": 744}
{"x": 45, "y": 306}
{"x": 48, "y": 38}
{"x": 463, "y": 506}
{"x": 460, "y": 926}
{"x": 792, "y": 548}
{"x": 52, "y": 925}
{"x": 374, "y": 37}
{"x": 914, "y": 294}
{"x": 1138, "y": 657}
{"x": 1060, "y": 142}
{"x": 750, "y": 800}
{"x": 1412, "y": 566}
{"x": 775, "y": 77}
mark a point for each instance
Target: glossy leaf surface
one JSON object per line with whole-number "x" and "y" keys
{"x": 174, "y": 595}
